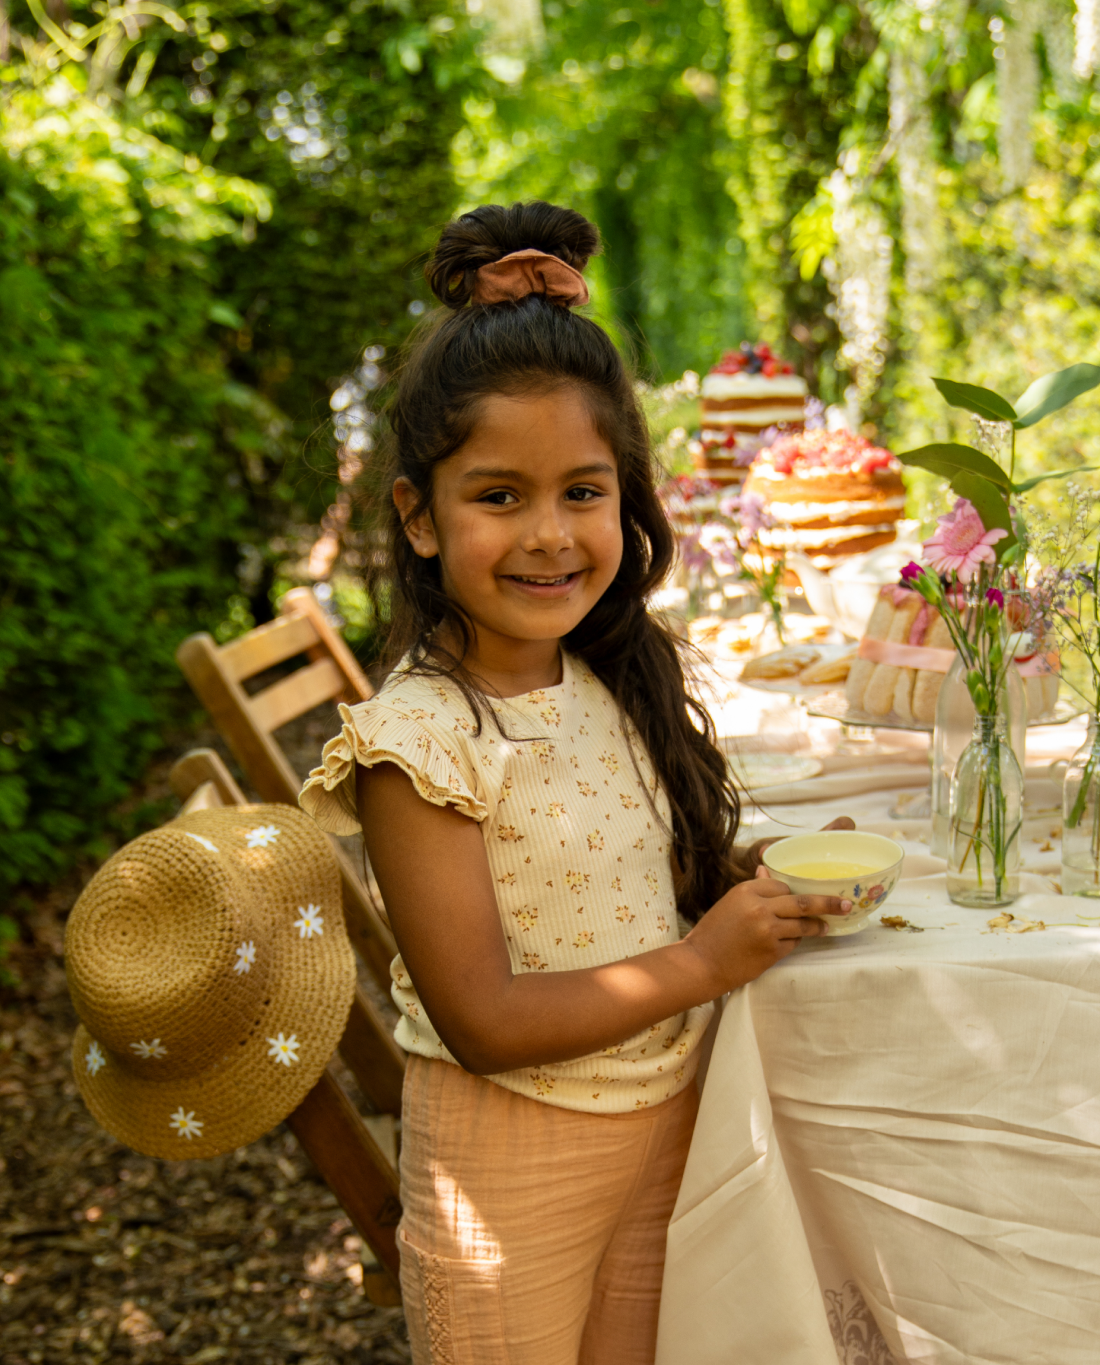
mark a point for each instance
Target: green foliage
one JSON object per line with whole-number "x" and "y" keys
{"x": 120, "y": 500}
{"x": 619, "y": 117}
{"x": 181, "y": 286}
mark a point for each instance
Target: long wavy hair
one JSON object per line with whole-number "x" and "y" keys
{"x": 462, "y": 354}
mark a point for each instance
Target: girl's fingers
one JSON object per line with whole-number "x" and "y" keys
{"x": 795, "y": 929}
{"x": 798, "y": 907}
{"x": 841, "y": 822}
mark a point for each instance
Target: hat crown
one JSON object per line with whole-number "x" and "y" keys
{"x": 151, "y": 945}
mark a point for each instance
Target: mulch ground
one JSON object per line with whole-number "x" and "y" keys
{"x": 108, "y": 1255}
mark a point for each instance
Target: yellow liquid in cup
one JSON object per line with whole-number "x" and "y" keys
{"x": 828, "y": 871}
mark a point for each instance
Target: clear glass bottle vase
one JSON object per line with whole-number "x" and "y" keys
{"x": 1081, "y": 818}
{"x": 985, "y": 815}
{"x": 954, "y": 729}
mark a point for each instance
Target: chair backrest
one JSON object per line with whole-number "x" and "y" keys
{"x": 217, "y": 674}
{"x": 346, "y": 1147}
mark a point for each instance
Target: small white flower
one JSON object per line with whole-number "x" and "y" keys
{"x": 311, "y": 921}
{"x": 246, "y": 955}
{"x": 261, "y": 836}
{"x": 284, "y": 1050}
{"x": 211, "y": 848}
{"x": 94, "y": 1058}
{"x": 153, "y": 1049}
{"x": 187, "y": 1125}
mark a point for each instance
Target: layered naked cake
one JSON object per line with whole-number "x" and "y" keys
{"x": 826, "y": 494}
{"x": 748, "y": 391}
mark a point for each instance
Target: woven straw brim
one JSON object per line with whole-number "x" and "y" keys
{"x": 299, "y": 1014}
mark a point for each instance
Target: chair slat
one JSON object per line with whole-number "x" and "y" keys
{"x": 375, "y": 1060}
{"x": 267, "y": 645}
{"x": 294, "y": 696}
{"x": 355, "y": 1169}
{"x": 301, "y": 601}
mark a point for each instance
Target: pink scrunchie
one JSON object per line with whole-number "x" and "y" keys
{"x": 529, "y": 272}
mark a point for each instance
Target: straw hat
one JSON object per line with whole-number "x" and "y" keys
{"x": 211, "y": 970}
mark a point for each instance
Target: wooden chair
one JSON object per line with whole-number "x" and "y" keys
{"x": 346, "y": 1147}
{"x": 246, "y": 722}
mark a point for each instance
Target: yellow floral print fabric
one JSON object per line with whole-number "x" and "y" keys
{"x": 576, "y": 831}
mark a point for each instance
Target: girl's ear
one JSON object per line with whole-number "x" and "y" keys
{"x": 420, "y": 532}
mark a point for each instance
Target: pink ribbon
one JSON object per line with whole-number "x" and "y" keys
{"x": 940, "y": 660}
{"x": 529, "y": 272}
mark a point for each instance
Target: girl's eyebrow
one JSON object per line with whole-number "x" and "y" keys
{"x": 581, "y": 471}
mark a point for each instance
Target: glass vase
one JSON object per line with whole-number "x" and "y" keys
{"x": 986, "y": 811}
{"x": 954, "y": 729}
{"x": 1081, "y": 818}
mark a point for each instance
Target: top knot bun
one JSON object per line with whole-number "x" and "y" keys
{"x": 486, "y": 234}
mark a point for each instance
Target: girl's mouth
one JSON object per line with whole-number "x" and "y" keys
{"x": 544, "y": 585}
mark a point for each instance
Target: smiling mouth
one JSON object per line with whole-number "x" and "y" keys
{"x": 544, "y": 581}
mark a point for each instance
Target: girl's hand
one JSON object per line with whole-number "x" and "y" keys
{"x": 756, "y": 924}
{"x": 756, "y": 851}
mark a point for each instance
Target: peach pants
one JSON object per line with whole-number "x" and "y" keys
{"x": 533, "y": 1235}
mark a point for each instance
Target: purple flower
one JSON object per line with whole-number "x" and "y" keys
{"x": 911, "y": 571}
{"x": 995, "y": 598}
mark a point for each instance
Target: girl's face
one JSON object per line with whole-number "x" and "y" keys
{"x": 525, "y": 518}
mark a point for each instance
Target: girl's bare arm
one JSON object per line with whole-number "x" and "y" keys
{"x": 434, "y": 876}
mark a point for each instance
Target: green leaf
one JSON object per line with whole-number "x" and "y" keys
{"x": 984, "y": 402}
{"x": 991, "y": 504}
{"x": 223, "y": 313}
{"x": 1054, "y": 391}
{"x": 1029, "y": 484}
{"x": 947, "y": 460}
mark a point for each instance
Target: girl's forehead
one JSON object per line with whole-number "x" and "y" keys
{"x": 539, "y": 433}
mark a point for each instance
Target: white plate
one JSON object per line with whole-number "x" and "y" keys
{"x": 791, "y": 686}
{"x": 767, "y": 770}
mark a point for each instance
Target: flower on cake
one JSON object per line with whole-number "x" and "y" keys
{"x": 187, "y": 1125}
{"x": 311, "y": 922}
{"x": 154, "y": 1049}
{"x": 262, "y": 836}
{"x": 246, "y": 955}
{"x": 961, "y": 543}
{"x": 94, "y": 1058}
{"x": 283, "y": 1049}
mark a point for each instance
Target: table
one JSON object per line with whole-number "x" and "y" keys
{"x": 896, "y": 1158}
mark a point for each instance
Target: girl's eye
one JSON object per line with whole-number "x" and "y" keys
{"x": 583, "y": 494}
{"x": 499, "y": 497}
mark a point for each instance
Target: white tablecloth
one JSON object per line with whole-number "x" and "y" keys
{"x": 897, "y": 1157}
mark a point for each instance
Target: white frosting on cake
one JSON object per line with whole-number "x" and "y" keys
{"x": 790, "y": 538}
{"x": 793, "y": 512}
{"x": 753, "y": 386}
{"x": 760, "y": 470}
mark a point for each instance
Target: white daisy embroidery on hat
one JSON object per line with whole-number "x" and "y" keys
{"x": 261, "y": 836}
{"x": 284, "y": 1050}
{"x": 153, "y": 1049}
{"x": 210, "y": 848}
{"x": 94, "y": 1058}
{"x": 311, "y": 921}
{"x": 246, "y": 955}
{"x": 187, "y": 1125}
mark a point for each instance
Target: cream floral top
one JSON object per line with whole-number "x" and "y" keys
{"x": 576, "y": 831}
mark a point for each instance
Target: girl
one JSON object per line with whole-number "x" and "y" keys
{"x": 540, "y": 797}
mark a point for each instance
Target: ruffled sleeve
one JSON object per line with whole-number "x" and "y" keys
{"x": 422, "y": 745}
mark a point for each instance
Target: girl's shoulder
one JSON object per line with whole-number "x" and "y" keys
{"x": 416, "y": 721}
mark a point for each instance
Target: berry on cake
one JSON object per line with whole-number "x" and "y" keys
{"x": 829, "y": 495}
{"x": 748, "y": 391}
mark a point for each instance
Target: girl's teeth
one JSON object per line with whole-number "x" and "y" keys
{"x": 544, "y": 582}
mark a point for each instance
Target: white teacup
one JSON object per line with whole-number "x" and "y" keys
{"x": 862, "y": 868}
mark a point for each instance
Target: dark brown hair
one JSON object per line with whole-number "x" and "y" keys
{"x": 466, "y": 352}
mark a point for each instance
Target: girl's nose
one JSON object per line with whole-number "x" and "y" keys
{"x": 547, "y": 531}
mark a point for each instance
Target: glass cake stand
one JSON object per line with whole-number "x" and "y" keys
{"x": 859, "y": 728}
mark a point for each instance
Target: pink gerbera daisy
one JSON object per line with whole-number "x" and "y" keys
{"x": 961, "y": 543}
